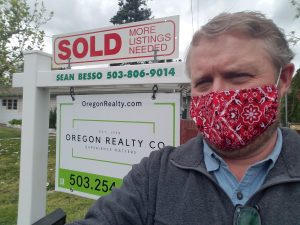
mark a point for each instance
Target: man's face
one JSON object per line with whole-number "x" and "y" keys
{"x": 230, "y": 62}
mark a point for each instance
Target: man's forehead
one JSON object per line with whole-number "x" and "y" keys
{"x": 231, "y": 53}
{"x": 228, "y": 64}
{"x": 244, "y": 66}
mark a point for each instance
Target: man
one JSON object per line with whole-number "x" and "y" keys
{"x": 242, "y": 169}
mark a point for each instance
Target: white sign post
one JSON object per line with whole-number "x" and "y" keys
{"x": 36, "y": 80}
{"x": 34, "y": 140}
{"x": 131, "y": 42}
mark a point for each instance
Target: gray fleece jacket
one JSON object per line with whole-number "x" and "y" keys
{"x": 172, "y": 187}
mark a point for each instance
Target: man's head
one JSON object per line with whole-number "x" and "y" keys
{"x": 252, "y": 25}
{"x": 239, "y": 51}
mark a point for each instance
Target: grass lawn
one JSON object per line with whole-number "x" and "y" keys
{"x": 75, "y": 207}
{"x": 6, "y": 132}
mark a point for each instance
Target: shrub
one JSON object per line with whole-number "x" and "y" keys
{"x": 15, "y": 122}
{"x": 52, "y": 118}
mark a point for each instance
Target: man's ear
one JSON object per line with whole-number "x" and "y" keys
{"x": 285, "y": 79}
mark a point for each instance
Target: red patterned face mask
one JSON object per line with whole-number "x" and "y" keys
{"x": 232, "y": 119}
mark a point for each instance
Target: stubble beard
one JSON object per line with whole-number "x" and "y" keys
{"x": 253, "y": 148}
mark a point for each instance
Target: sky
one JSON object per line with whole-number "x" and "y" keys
{"x": 79, "y": 15}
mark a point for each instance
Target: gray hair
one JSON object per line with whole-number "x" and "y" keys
{"x": 252, "y": 24}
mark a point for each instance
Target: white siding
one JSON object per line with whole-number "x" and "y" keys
{"x": 7, "y": 115}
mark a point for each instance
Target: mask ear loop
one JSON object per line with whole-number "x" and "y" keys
{"x": 278, "y": 79}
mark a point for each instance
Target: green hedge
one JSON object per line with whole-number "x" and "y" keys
{"x": 15, "y": 122}
{"x": 52, "y": 118}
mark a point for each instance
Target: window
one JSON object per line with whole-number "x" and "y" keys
{"x": 11, "y": 104}
{"x": 15, "y": 104}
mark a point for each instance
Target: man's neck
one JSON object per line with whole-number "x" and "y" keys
{"x": 239, "y": 166}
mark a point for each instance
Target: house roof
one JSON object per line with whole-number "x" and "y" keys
{"x": 11, "y": 92}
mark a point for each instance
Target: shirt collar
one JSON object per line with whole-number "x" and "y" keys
{"x": 213, "y": 160}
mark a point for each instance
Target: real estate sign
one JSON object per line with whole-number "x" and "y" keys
{"x": 100, "y": 137}
{"x": 125, "y": 43}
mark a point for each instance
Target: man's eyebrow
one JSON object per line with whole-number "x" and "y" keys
{"x": 241, "y": 68}
{"x": 201, "y": 77}
{"x": 236, "y": 74}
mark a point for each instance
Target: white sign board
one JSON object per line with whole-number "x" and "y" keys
{"x": 125, "y": 43}
{"x": 157, "y": 73}
{"x": 100, "y": 137}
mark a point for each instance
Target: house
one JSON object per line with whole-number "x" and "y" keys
{"x": 10, "y": 104}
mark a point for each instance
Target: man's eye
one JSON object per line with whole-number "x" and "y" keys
{"x": 243, "y": 75}
{"x": 240, "y": 77}
{"x": 203, "y": 82}
{"x": 203, "y": 85}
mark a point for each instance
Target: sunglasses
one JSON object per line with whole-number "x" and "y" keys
{"x": 245, "y": 215}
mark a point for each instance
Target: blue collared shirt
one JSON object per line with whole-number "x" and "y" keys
{"x": 240, "y": 192}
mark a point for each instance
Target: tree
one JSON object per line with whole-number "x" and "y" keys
{"x": 293, "y": 101}
{"x": 296, "y": 4}
{"x": 20, "y": 30}
{"x": 292, "y": 37}
{"x": 131, "y": 11}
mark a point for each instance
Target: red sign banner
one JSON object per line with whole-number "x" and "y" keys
{"x": 138, "y": 41}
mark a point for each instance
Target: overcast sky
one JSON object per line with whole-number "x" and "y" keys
{"x": 79, "y": 15}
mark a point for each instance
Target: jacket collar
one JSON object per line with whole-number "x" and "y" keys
{"x": 289, "y": 158}
{"x": 190, "y": 156}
